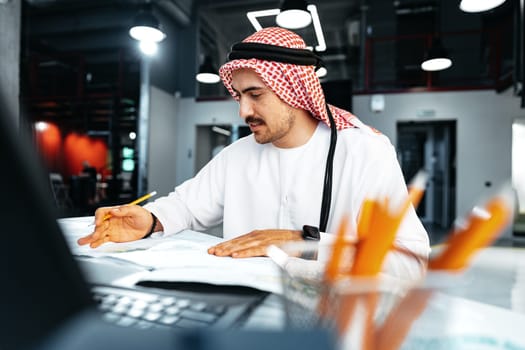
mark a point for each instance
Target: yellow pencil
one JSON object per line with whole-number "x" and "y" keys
{"x": 136, "y": 201}
{"x": 143, "y": 198}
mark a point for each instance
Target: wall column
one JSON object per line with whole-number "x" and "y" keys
{"x": 10, "y": 22}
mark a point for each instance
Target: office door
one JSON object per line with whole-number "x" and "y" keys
{"x": 211, "y": 139}
{"x": 431, "y": 146}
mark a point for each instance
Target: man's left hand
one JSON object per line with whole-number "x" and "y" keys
{"x": 254, "y": 243}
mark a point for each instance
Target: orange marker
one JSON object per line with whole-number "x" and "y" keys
{"x": 366, "y": 218}
{"x": 481, "y": 229}
{"x": 334, "y": 263}
{"x": 382, "y": 227}
{"x": 333, "y": 266}
{"x": 483, "y": 226}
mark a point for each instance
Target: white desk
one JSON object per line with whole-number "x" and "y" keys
{"x": 485, "y": 309}
{"x": 180, "y": 257}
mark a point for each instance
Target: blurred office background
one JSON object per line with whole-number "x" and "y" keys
{"x": 94, "y": 99}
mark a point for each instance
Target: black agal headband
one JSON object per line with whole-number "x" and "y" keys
{"x": 275, "y": 53}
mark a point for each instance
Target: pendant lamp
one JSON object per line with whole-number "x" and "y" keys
{"x": 436, "y": 58}
{"x": 479, "y": 5}
{"x": 146, "y": 26}
{"x": 207, "y": 73}
{"x": 293, "y": 15}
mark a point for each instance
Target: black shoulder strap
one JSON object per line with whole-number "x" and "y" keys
{"x": 327, "y": 186}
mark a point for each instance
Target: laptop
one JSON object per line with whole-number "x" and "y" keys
{"x": 48, "y": 304}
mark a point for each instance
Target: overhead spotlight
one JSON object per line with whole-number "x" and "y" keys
{"x": 479, "y": 5}
{"x": 146, "y": 26}
{"x": 294, "y": 14}
{"x": 207, "y": 73}
{"x": 436, "y": 58}
{"x": 148, "y": 48}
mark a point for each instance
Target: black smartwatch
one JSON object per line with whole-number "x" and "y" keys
{"x": 311, "y": 233}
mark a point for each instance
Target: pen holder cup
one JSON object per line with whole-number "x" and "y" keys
{"x": 352, "y": 308}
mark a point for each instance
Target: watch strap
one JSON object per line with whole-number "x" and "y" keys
{"x": 311, "y": 233}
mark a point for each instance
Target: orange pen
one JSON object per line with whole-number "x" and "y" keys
{"x": 334, "y": 263}
{"x": 382, "y": 230}
{"x": 482, "y": 227}
{"x": 377, "y": 228}
{"x": 366, "y": 218}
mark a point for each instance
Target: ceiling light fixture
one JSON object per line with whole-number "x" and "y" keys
{"x": 436, "y": 58}
{"x": 148, "y": 48}
{"x": 146, "y": 26}
{"x": 207, "y": 73}
{"x": 321, "y": 43}
{"x": 252, "y": 16}
{"x": 293, "y": 15}
{"x": 479, "y": 5}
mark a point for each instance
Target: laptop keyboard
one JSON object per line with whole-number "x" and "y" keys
{"x": 140, "y": 309}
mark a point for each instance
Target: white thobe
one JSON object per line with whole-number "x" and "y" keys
{"x": 250, "y": 186}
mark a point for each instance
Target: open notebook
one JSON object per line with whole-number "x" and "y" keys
{"x": 48, "y": 304}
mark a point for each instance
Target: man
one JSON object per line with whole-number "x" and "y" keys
{"x": 265, "y": 187}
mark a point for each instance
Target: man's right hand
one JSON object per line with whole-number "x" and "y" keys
{"x": 126, "y": 223}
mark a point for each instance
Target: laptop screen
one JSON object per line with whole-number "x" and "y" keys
{"x": 42, "y": 285}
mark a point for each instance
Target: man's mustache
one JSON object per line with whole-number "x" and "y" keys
{"x": 254, "y": 120}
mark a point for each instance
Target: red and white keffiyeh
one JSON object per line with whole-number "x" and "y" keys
{"x": 296, "y": 85}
